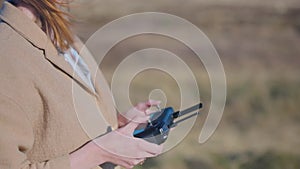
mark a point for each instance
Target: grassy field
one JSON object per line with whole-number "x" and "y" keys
{"x": 258, "y": 45}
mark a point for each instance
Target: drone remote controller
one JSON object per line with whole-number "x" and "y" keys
{"x": 160, "y": 123}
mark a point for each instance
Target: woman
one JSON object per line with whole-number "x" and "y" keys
{"x": 39, "y": 66}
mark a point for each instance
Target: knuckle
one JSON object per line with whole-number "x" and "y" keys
{"x": 157, "y": 149}
{"x": 140, "y": 144}
{"x": 141, "y": 104}
{"x": 129, "y": 166}
{"x": 136, "y": 162}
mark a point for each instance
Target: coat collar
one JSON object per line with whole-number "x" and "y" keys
{"x": 37, "y": 37}
{"x": 23, "y": 25}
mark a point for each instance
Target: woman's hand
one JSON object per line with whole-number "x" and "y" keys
{"x": 126, "y": 150}
{"x": 118, "y": 147}
{"x": 140, "y": 113}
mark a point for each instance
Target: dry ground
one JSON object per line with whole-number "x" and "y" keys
{"x": 258, "y": 44}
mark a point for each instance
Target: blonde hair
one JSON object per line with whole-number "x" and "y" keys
{"x": 54, "y": 21}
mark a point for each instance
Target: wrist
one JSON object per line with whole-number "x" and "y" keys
{"x": 98, "y": 154}
{"x": 87, "y": 157}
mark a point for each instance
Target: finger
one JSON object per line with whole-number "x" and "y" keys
{"x": 143, "y": 106}
{"x": 151, "y": 148}
{"x": 138, "y": 119}
{"x": 149, "y": 112}
{"x": 141, "y": 119}
{"x": 153, "y": 102}
{"x": 138, "y": 161}
{"x": 134, "y": 161}
{"x": 130, "y": 127}
{"x": 130, "y": 162}
{"x": 155, "y": 152}
{"x": 125, "y": 164}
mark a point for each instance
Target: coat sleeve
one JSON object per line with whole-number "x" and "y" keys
{"x": 17, "y": 139}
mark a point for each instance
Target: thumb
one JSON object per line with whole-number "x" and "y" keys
{"x": 130, "y": 127}
{"x": 143, "y": 106}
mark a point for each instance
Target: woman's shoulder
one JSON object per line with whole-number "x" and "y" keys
{"x": 16, "y": 54}
{"x": 12, "y": 42}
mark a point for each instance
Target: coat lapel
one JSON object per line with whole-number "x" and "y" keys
{"x": 103, "y": 92}
{"x": 51, "y": 54}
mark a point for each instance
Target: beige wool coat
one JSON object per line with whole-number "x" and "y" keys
{"x": 46, "y": 111}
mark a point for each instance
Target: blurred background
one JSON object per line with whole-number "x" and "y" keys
{"x": 258, "y": 43}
